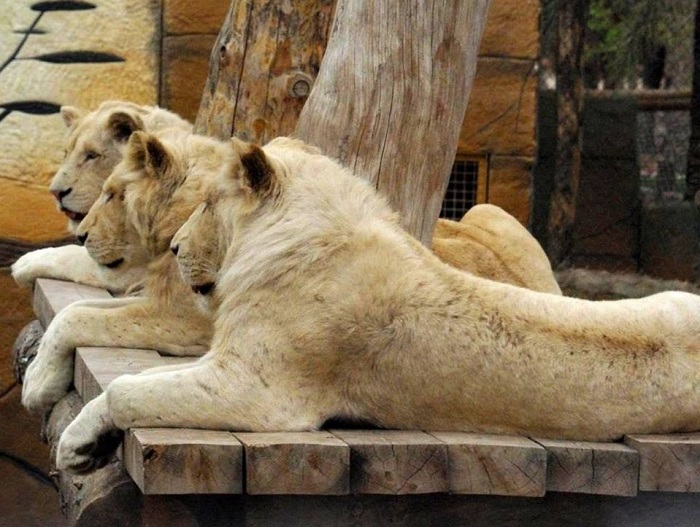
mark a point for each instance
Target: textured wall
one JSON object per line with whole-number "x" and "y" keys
{"x": 55, "y": 53}
{"x": 501, "y": 115}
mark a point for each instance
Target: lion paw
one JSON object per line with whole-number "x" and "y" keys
{"x": 89, "y": 442}
{"x": 43, "y": 386}
{"x": 33, "y": 265}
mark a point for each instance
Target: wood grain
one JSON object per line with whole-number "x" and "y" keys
{"x": 389, "y": 102}
{"x": 488, "y": 464}
{"x": 668, "y": 463}
{"x": 591, "y": 468}
{"x": 51, "y": 296}
{"x": 395, "y": 462}
{"x": 296, "y": 463}
{"x": 184, "y": 461}
{"x": 95, "y": 368}
{"x": 262, "y": 47}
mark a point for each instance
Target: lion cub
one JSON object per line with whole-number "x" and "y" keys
{"x": 95, "y": 144}
{"x": 328, "y": 308}
{"x": 148, "y": 196}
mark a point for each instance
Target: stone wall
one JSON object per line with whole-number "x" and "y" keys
{"x": 501, "y": 114}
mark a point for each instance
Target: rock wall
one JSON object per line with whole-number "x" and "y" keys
{"x": 501, "y": 114}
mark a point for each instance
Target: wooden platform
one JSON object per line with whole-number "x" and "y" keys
{"x": 339, "y": 462}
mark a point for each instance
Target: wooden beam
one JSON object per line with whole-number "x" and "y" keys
{"x": 389, "y": 103}
{"x": 668, "y": 463}
{"x": 591, "y": 468}
{"x": 51, "y": 296}
{"x": 489, "y": 464}
{"x": 650, "y": 100}
{"x": 296, "y": 463}
{"x": 184, "y": 461}
{"x": 95, "y": 368}
{"x": 395, "y": 462}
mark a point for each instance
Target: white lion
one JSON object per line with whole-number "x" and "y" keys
{"x": 144, "y": 202}
{"x": 95, "y": 144}
{"x": 328, "y": 308}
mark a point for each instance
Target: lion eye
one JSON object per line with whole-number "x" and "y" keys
{"x": 109, "y": 197}
{"x": 89, "y": 156}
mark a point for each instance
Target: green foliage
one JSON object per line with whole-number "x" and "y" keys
{"x": 623, "y": 34}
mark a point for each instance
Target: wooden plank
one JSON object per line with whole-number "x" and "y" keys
{"x": 51, "y": 296}
{"x": 489, "y": 464}
{"x": 95, "y": 368}
{"x": 591, "y": 468}
{"x": 650, "y": 100}
{"x": 184, "y": 461}
{"x": 296, "y": 463}
{"x": 395, "y": 462}
{"x": 668, "y": 463}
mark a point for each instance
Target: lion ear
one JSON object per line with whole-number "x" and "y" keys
{"x": 258, "y": 174}
{"x": 146, "y": 152}
{"x": 122, "y": 125}
{"x": 71, "y": 115}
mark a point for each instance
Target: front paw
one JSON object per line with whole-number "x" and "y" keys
{"x": 44, "y": 385}
{"x": 33, "y": 265}
{"x": 89, "y": 442}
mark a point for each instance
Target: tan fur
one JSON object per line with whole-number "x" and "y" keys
{"x": 95, "y": 144}
{"x": 328, "y": 308}
{"x": 145, "y": 200}
{"x": 490, "y": 243}
{"x": 95, "y": 133}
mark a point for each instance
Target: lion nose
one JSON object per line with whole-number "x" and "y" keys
{"x": 82, "y": 238}
{"x": 175, "y": 249}
{"x": 60, "y": 194}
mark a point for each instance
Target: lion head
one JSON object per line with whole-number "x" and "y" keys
{"x": 149, "y": 195}
{"x": 95, "y": 145}
{"x": 249, "y": 180}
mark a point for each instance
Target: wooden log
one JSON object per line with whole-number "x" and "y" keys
{"x": 395, "y": 462}
{"x": 591, "y": 468}
{"x": 25, "y": 348}
{"x": 389, "y": 102}
{"x": 184, "y": 461}
{"x": 262, "y": 67}
{"x": 500, "y": 465}
{"x": 668, "y": 463}
{"x": 106, "y": 497}
{"x": 95, "y": 368}
{"x": 51, "y": 296}
{"x": 296, "y": 463}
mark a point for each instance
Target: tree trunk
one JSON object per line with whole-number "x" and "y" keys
{"x": 569, "y": 73}
{"x": 692, "y": 177}
{"x": 391, "y": 95}
{"x": 262, "y": 68}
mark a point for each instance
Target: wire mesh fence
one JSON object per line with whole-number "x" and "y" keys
{"x": 461, "y": 194}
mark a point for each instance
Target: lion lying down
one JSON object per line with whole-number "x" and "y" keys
{"x": 145, "y": 200}
{"x": 328, "y": 308}
{"x": 148, "y": 196}
{"x": 95, "y": 144}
